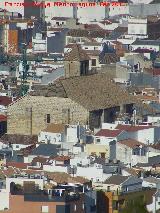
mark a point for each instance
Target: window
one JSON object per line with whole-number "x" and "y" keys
{"x": 17, "y": 146}
{"x": 57, "y": 23}
{"x": 75, "y": 208}
{"x": 45, "y": 209}
{"x": 48, "y": 118}
{"x": 83, "y": 206}
{"x": 93, "y": 208}
{"x": 98, "y": 140}
{"x": 93, "y": 62}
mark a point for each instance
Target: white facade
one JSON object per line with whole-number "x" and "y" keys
{"x": 10, "y": 7}
{"x": 155, "y": 205}
{"x": 86, "y": 15}
{"x": 153, "y": 119}
{"x": 102, "y": 140}
{"x": 118, "y": 10}
{"x": 137, "y": 26}
{"x": 93, "y": 47}
{"x": 17, "y": 147}
{"x": 50, "y": 137}
{"x": 148, "y": 184}
{"x": 94, "y": 173}
{"x": 146, "y": 46}
{"x": 125, "y": 155}
{"x": 75, "y": 133}
{"x": 108, "y": 126}
{"x": 85, "y": 161}
{"x": 3, "y": 146}
{"x": 146, "y": 136}
{"x": 54, "y": 168}
{"x": 4, "y": 199}
{"x": 39, "y": 44}
{"x": 57, "y": 11}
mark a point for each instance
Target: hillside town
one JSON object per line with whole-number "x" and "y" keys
{"x": 80, "y": 107}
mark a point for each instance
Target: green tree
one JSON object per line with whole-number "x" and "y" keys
{"x": 137, "y": 205}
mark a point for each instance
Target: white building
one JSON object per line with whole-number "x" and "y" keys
{"x": 146, "y": 44}
{"x": 53, "y": 134}
{"x": 137, "y": 28}
{"x": 93, "y": 173}
{"x": 115, "y": 10}
{"x": 39, "y": 44}
{"x": 56, "y": 133}
{"x": 131, "y": 152}
{"x": 4, "y": 198}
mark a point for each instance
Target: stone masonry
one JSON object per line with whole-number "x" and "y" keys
{"x": 28, "y": 115}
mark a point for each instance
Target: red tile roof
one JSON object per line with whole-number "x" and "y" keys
{"x": 109, "y": 133}
{"x": 153, "y": 71}
{"x": 3, "y": 118}
{"x": 130, "y": 128}
{"x": 19, "y": 165}
{"x": 39, "y": 159}
{"x": 131, "y": 143}
{"x": 139, "y": 50}
{"x": 62, "y": 158}
{"x": 5, "y": 100}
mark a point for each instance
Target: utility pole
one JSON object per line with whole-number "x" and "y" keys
{"x": 31, "y": 120}
{"x": 68, "y": 114}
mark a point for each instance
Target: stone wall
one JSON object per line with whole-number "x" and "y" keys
{"x": 72, "y": 68}
{"x": 29, "y": 114}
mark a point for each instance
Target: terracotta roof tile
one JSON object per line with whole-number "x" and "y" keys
{"x": 19, "y": 165}
{"x": 62, "y": 158}
{"x": 5, "y": 100}
{"x": 3, "y": 118}
{"x": 39, "y": 159}
{"x": 76, "y": 54}
{"x": 55, "y": 128}
{"x": 108, "y": 132}
{"x": 60, "y": 18}
{"x": 88, "y": 33}
{"x": 130, "y": 128}
{"x": 19, "y": 139}
{"x": 96, "y": 92}
{"x": 131, "y": 143}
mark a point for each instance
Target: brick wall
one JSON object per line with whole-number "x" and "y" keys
{"x": 18, "y": 205}
{"x": 28, "y": 115}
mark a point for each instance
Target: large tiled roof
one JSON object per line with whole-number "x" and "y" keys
{"x": 96, "y": 92}
{"x": 76, "y": 54}
{"x": 92, "y": 92}
{"x": 54, "y": 90}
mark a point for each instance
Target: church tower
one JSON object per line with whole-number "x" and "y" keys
{"x": 76, "y": 62}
